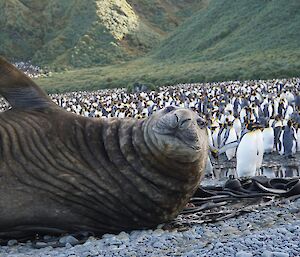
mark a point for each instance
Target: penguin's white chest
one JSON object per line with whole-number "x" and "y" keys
{"x": 232, "y": 137}
{"x": 247, "y": 155}
{"x": 260, "y": 149}
{"x": 268, "y": 139}
{"x": 215, "y": 137}
{"x": 238, "y": 127}
{"x": 298, "y": 139}
{"x": 210, "y": 139}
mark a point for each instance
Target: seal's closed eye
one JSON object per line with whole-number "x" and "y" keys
{"x": 201, "y": 123}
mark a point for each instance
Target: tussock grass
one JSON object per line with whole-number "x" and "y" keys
{"x": 255, "y": 66}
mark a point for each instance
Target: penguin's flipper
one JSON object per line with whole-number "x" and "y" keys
{"x": 19, "y": 90}
{"x": 228, "y": 146}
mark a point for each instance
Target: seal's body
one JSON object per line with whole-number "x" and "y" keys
{"x": 60, "y": 172}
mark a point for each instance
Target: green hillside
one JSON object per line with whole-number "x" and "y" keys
{"x": 233, "y": 29}
{"x": 75, "y": 33}
{"x": 110, "y": 43}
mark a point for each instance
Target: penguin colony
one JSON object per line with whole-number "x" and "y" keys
{"x": 245, "y": 119}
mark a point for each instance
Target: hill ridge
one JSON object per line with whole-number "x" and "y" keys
{"x": 65, "y": 33}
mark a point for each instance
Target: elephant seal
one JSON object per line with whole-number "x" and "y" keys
{"x": 60, "y": 172}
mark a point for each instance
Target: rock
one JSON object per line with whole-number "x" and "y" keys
{"x": 267, "y": 254}
{"x": 41, "y": 244}
{"x": 294, "y": 210}
{"x": 68, "y": 239}
{"x": 123, "y": 236}
{"x": 47, "y": 237}
{"x": 87, "y": 254}
{"x": 157, "y": 244}
{"x": 280, "y": 254}
{"x": 243, "y": 254}
{"x": 274, "y": 254}
{"x": 12, "y": 242}
{"x": 114, "y": 241}
{"x": 158, "y": 232}
{"x": 68, "y": 245}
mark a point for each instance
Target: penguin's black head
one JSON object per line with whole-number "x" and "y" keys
{"x": 229, "y": 123}
{"x": 254, "y": 126}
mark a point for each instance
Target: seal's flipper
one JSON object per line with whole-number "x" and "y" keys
{"x": 19, "y": 90}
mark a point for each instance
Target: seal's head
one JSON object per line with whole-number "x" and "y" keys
{"x": 178, "y": 133}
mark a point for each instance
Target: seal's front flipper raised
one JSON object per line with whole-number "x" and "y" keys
{"x": 19, "y": 90}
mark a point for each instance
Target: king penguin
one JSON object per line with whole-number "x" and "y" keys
{"x": 237, "y": 126}
{"x": 268, "y": 138}
{"x": 289, "y": 140}
{"x": 250, "y": 151}
{"x": 230, "y": 136}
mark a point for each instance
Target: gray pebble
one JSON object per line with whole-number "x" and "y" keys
{"x": 41, "y": 244}
{"x": 68, "y": 245}
{"x": 157, "y": 244}
{"x": 294, "y": 210}
{"x": 243, "y": 254}
{"x": 267, "y": 254}
{"x": 123, "y": 236}
{"x": 68, "y": 239}
{"x": 280, "y": 254}
{"x": 12, "y": 242}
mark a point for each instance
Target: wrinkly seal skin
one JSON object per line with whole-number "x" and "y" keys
{"x": 60, "y": 172}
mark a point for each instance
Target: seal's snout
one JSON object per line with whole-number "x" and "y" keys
{"x": 181, "y": 133}
{"x": 182, "y": 122}
{"x": 185, "y": 120}
{"x": 182, "y": 119}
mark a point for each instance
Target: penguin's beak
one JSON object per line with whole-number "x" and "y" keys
{"x": 214, "y": 153}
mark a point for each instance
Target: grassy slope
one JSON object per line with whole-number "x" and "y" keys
{"x": 230, "y": 29}
{"x": 248, "y": 39}
{"x": 167, "y": 73}
{"x": 75, "y": 33}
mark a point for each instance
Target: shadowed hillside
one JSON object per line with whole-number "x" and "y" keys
{"x": 64, "y": 33}
{"x": 232, "y": 29}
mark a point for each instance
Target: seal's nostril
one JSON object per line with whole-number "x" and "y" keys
{"x": 177, "y": 119}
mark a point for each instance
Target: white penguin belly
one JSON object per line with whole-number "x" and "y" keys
{"x": 230, "y": 153}
{"x": 260, "y": 149}
{"x": 268, "y": 139}
{"x": 246, "y": 156}
{"x": 298, "y": 140}
{"x": 215, "y": 137}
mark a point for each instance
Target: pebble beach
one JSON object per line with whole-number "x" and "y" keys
{"x": 269, "y": 231}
